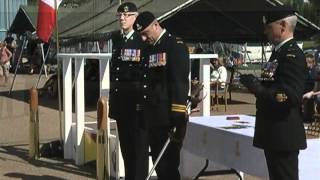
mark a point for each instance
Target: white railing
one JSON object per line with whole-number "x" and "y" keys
{"x": 205, "y": 79}
{"x": 73, "y": 137}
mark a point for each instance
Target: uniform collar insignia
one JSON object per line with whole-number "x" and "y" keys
{"x": 160, "y": 36}
{"x": 127, "y": 36}
{"x": 278, "y": 47}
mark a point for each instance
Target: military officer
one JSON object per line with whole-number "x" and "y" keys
{"x": 165, "y": 88}
{"x": 279, "y": 129}
{"x": 124, "y": 87}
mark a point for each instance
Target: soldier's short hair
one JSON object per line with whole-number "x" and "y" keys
{"x": 292, "y": 21}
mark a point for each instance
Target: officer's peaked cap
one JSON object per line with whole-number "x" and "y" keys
{"x": 278, "y": 13}
{"x": 127, "y": 7}
{"x": 143, "y": 20}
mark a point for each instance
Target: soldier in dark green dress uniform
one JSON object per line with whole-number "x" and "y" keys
{"x": 279, "y": 129}
{"x": 124, "y": 88}
{"x": 165, "y": 87}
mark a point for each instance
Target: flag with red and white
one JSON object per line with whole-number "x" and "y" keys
{"x": 46, "y": 18}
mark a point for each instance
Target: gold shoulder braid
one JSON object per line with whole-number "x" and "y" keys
{"x": 313, "y": 130}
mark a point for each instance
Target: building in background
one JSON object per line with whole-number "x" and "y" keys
{"x": 8, "y": 11}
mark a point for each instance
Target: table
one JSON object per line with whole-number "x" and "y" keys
{"x": 211, "y": 137}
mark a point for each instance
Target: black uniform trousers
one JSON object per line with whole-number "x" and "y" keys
{"x": 133, "y": 143}
{"x": 282, "y": 165}
{"x": 167, "y": 168}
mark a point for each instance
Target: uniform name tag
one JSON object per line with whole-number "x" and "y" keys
{"x": 130, "y": 55}
{"x": 156, "y": 60}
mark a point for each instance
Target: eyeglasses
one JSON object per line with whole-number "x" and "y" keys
{"x": 125, "y": 15}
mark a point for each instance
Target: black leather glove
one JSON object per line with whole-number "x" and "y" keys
{"x": 250, "y": 82}
{"x": 179, "y": 133}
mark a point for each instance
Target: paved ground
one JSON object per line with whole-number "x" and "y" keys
{"x": 14, "y": 117}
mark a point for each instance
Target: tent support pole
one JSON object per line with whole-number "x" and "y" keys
{"x": 25, "y": 41}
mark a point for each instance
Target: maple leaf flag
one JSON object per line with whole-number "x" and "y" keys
{"x": 46, "y": 18}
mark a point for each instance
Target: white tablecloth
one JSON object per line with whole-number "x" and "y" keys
{"x": 212, "y": 138}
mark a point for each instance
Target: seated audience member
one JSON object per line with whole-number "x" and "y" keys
{"x": 312, "y": 85}
{"x": 218, "y": 71}
{"x": 311, "y": 99}
{"x": 311, "y": 65}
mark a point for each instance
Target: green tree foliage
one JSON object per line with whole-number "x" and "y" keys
{"x": 316, "y": 4}
{"x": 310, "y": 10}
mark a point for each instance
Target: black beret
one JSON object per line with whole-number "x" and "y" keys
{"x": 277, "y": 13}
{"x": 127, "y": 7}
{"x": 143, "y": 20}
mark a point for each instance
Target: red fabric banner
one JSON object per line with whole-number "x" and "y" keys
{"x": 46, "y": 18}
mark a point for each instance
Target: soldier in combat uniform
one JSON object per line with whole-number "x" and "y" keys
{"x": 279, "y": 129}
{"x": 165, "y": 87}
{"x": 124, "y": 88}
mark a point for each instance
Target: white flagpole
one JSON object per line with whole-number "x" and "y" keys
{"x": 58, "y": 75}
{"x": 44, "y": 60}
{"x": 43, "y": 57}
{"x": 25, "y": 42}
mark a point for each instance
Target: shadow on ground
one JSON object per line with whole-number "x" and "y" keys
{"x": 58, "y": 164}
{"x": 31, "y": 177}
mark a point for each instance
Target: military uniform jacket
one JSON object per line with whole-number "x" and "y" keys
{"x": 165, "y": 83}
{"x": 124, "y": 74}
{"x": 279, "y": 124}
